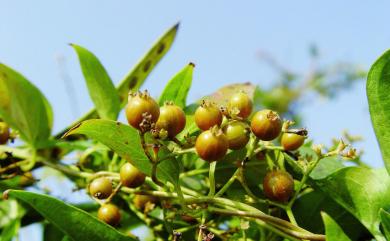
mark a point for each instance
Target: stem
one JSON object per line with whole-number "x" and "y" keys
{"x": 272, "y": 223}
{"x": 290, "y": 215}
{"x": 206, "y": 170}
{"x": 154, "y": 175}
{"x": 116, "y": 190}
{"x": 113, "y": 162}
{"x": 294, "y": 232}
{"x": 212, "y": 178}
{"x": 177, "y": 153}
{"x": 66, "y": 170}
{"x": 227, "y": 184}
{"x": 201, "y": 227}
{"x": 145, "y": 147}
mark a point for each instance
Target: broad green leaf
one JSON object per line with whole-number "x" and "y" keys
{"x": 385, "y": 221}
{"x": 74, "y": 222}
{"x": 100, "y": 87}
{"x": 307, "y": 210}
{"x": 361, "y": 191}
{"x": 332, "y": 230}
{"x": 52, "y": 233}
{"x": 10, "y": 231}
{"x": 136, "y": 77}
{"x": 66, "y": 238}
{"x": 177, "y": 88}
{"x": 126, "y": 142}
{"x": 24, "y": 107}
{"x": 378, "y": 87}
{"x": 325, "y": 167}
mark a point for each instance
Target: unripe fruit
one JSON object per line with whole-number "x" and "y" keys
{"x": 292, "y": 141}
{"x": 211, "y": 145}
{"x": 241, "y": 102}
{"x": 237, "y": 134}
{"x": 110, "y": 214}
{"x": 130, "y": 176}
{"x": 140, "y": 105}
{"x": 4, "y": 133}
{"x": 266, "y": 125}
{"x": 100, "y": 188}
{"x": 278, "y": 185}
{"x": 208, "y": 115}
{"x": 172, "y": 119}
{"x": 140, "y": 201}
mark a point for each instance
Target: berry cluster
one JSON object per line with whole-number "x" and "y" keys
{"x": 222, "y": 128}
{"x": 102, "y": 188}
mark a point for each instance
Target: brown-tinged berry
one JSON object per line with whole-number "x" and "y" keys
{"x": 130, "y": 176}
{"x": 208, "y": 115}
{"x": 141, "y": 107}
{"x": 212, "y": 145}
{"x": 266, "y": 125}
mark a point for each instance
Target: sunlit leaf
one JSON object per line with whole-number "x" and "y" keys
{"x": 137, "y": 75}
{"x": 378, "y": 87}
{"x": 385, "y": 221}
{"x": 126, "y": 142}
{"x": 177, "y": 88}
{"x": 332, "y": 230}
{"x": 24, "y": 107}
{"x": 74, "y": 222}
{"x": 100, "y": 87}
{"x": 361, "y": 191}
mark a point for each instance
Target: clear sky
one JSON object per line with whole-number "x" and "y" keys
{"x": 221, "y": 37}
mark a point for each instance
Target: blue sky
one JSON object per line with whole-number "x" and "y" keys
{"x": 221, "y": 37}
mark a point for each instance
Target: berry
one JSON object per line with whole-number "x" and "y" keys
{"x": 172, "y": 119}
{"x": 211, "y": 145}
{"x": 242, "y": 103}
{"x": 140, "y": 108}
{"x": 266, "y": 125}
{"x": 292, "y": 141}
{"x": 278, "y": 185}
{"x": 4, "y": 133}
{"x": 110, "y": 214}
{"x": 237, "y": 134}
{"x": 141, "y": 201}
{"x": 130, "y": 176}
{"x": 208, "y": 115}
{"x": 100, "y": 188}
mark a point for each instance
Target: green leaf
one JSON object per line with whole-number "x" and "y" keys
{"x": 385, "y": 220}
{"x": 24, "y": 107}
{"x": 136, "y": 77}
{"x": 362, "y": 192}
{"x": 52, "y": 233}
{"x": 10, "y": 230}
{"x": 100, "y": 87}
{"x": 74, "y": 222}
{"x": 378, "y": 87}
{"x": 307, "y": 210}
{"x": 177, "y": 88}
{"x": 332, "y": 230}
{"x": 126, "y": 142}
{"x": 325, "y": 167}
